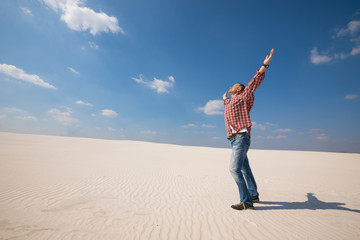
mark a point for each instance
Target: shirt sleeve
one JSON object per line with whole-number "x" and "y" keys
{"x": 226, "y": 101}
{"x": 255, "y": 82}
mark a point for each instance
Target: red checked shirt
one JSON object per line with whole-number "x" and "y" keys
{"x": 237, "y": 109}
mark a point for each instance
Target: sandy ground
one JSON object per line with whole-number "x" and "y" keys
{"x": 78, "y": 188}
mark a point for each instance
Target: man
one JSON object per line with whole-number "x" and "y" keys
{"x": 238, "y": 127}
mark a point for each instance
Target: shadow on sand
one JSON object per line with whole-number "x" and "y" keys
{"x": 312, "y": 204}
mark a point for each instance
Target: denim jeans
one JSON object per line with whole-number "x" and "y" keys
{"x": 240, "y": 168}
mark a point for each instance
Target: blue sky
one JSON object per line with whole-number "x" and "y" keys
{"x": 156, "y": 70}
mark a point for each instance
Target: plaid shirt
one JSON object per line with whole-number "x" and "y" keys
{"x": 237, "y": 109}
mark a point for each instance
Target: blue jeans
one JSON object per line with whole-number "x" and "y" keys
{"x": 240, "y": 168}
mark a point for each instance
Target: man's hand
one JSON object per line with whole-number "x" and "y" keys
{"x": 225, "y": 96}
{"x": 268, "y": 58}
{"x": 266, "y": 61}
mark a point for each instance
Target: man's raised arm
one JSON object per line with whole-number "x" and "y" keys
{"x": 259, "y": 77}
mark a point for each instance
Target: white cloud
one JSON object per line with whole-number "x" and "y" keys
{"x": 111, "y": 129}
{"x": 351, "y": 33}
{"x": 63, "y": 118}
{"x": 73, "y": 70}
{"x": 258, "y": 137}
{"x": 3, "y": 117}
{"x": 172, "y": 79}
{"x": 355, "y": 40}
{"x": 80, "y": 102}
{"x": 14, "y": 110}
{"x": 352, "y": 28}
{"x": 81, "y": 18}
{"x": 31, "y": 118}
{"x": 148, "y": 132}
{"x": 271, "y": 124}
{"x": 315, "y": 130}
{"x": 189, "y": 125}
{"x": 109, "y": 113}
{"x": 93, "y": 115}
{"x": 351, "y": 96}
{"x": 215, "y": 138}
{"x": 26, "y": 11}
{"x": 317, "y": 133}
{"x": 18, "y": 111}
{"x": 276, "y": 137}
{"x": 354, "y": 51}
{"x": 262, "y": 127}
{"x": 93, "y": 45}
{"x": 207, "y": 126}
{"x": 321, "y": 136}
{"x": 258, "y": 126}
{"x": 213, "y": 107}
{"x": 158, "y": 85}
{"x": 316, "y": 58}
{"x": 18, "y": 73}
{"x": 286, "y": 130}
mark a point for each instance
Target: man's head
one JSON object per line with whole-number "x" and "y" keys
{"x": 236, "y": 89}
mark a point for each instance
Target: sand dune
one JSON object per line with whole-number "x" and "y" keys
{"x": 78, "y": 188}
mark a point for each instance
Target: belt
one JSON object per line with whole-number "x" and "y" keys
{"x": 234, "y": 135}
